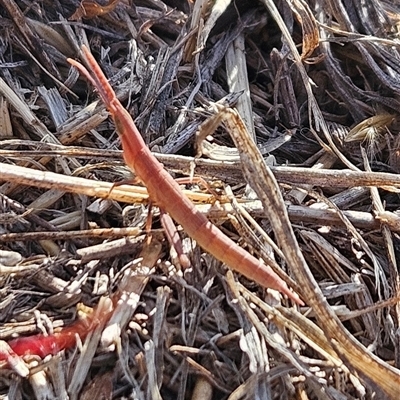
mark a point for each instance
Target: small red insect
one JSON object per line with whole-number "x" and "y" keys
{"x": 165, "y": 192}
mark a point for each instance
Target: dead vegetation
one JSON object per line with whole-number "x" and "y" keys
{"x": 317, "y": 85}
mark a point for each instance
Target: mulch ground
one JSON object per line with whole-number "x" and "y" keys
{"x": 110, "y": 308}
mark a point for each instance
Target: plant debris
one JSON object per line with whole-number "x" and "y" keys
{"x": 303, "y": 173}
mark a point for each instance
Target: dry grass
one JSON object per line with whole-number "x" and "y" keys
{"x": 317, "y": 85}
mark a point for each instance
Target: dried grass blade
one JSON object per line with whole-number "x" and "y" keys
{"x": 129, "y": 292}
{"x": 261, "y": 179}
{"x": 85, "y": 360}
{"x": 308, "y": 24}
